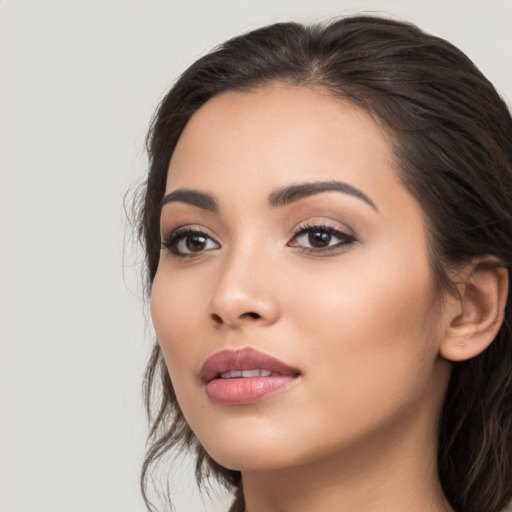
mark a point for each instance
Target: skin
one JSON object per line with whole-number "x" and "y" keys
{"x": 357, "y": 429}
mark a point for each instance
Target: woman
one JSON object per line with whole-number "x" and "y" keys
{"x": 327, "y": 222}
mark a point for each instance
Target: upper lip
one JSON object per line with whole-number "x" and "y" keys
{"x": 244, "y": 359}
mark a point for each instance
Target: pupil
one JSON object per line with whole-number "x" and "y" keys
{"x": 319, "y": 238}
{"x": 196, "y": 243}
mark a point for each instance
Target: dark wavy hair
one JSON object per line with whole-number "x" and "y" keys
{"x": 452, "y": 136}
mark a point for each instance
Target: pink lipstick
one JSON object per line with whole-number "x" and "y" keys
{"x": 240, "y": 377}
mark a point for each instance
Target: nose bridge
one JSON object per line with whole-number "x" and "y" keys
{"x": 243, "y": 290}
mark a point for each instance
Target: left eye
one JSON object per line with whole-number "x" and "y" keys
{"x": 319, "y": 238}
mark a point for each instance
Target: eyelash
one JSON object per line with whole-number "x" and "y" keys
{"x": 171, "y": 242}
{"x": 346, "y": 240}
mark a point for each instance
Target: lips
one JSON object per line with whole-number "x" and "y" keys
{"x": 237, "y": 377}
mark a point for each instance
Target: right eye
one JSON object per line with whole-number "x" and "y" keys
{"x": 189, "y": 242}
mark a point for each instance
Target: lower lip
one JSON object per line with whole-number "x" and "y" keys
{"x": 246, "y": 390}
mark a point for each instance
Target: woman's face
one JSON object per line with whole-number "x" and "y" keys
{"x": 286, "y": 233}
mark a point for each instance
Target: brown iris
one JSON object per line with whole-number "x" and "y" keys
{"x": 319, "y": 238}
{"x": 195, "y": 243}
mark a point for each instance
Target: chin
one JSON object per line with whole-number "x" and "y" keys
{"x": 249, "y": 458}
{"x": 240, "y": 446}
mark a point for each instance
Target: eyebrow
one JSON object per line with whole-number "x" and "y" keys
{"x": 281, "y": 197}
{"x": 193, "y": 197}
{"x": 293, "y": 193}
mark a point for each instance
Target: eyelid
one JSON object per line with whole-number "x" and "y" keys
{"x": 169, "y": 242}
{"x": 168, "y": 231}
{"x": 345, "y": 235}
{"x": 322, "y": 222}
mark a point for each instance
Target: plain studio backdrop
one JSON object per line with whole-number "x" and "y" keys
{"x": 79, "y": 81}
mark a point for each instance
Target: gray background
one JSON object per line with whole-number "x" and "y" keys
{"x": 78, "y": 83}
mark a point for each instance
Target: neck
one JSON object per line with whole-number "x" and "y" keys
{"x": 370, "y": 477}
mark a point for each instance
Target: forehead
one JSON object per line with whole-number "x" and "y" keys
{"x": 277, "y": 135}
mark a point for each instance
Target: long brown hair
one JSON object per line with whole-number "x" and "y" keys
{"x": 452, "y": 138}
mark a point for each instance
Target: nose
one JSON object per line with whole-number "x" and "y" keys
{"x": 244, "y": 294}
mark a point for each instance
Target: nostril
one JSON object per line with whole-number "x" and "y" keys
{"x": 217, "y": 319}
{"x": 250, "y": 314}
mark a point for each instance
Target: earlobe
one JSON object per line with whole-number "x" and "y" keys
{"x": 476, "y": 315}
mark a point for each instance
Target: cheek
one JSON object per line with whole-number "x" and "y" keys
{"x": 370, "y": 325}
{"x": 175, "y": 313}
{"x": 370, "y": 347}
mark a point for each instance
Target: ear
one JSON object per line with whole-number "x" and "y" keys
{"x": 476, "y": 314}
